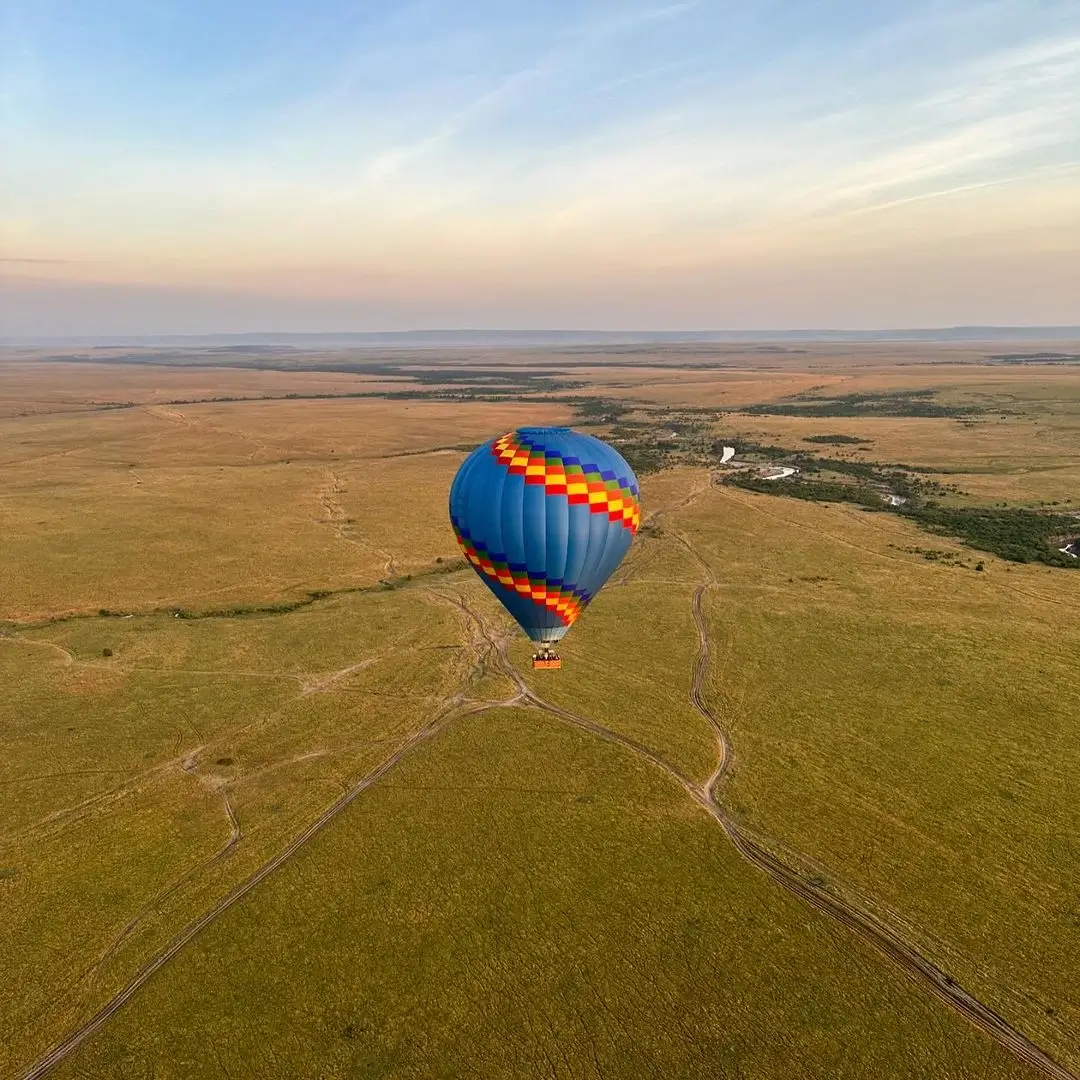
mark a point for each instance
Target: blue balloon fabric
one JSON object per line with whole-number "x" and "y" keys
{"x": 545, "y": 515}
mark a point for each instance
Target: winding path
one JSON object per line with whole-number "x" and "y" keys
{"x": 492, "y": 656}
{"x": 866, "y": 925}
{"x": 453, "y": 707}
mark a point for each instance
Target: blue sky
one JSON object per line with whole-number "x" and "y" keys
{"x": 238, "y": 165}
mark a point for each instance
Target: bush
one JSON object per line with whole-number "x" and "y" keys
{"x": 1017, "y": 535}
{"x": 898, "y": 403}
{"x": 810, "y": 490}
{"x": 836, "y": 440}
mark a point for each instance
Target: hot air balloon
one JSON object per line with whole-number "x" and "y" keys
{"x": 544, "y": 515}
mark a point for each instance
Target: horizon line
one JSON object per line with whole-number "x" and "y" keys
{"x": 804, "y": 332}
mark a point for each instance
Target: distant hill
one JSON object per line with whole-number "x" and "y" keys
{"x": 541, "y": 338}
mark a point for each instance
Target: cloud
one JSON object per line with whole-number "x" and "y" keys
{"x": 512, "y": 149}
{"x": 631, "y": 19}
{"x": 942, "y": 193}
{"x": 575, "y": 44}
{"x": 391, "y": 161}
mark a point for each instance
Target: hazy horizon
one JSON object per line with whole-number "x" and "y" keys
{"x": 221, "y": 168}
{"x": 477, "y": 337}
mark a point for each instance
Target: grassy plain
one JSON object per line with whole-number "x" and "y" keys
{"x": 226, "y": 504}
{"x": 910, "y": 728}
{"x": 1018, "y": 460}
{"x": 515, "y": 897}
{"x": 521, "y": 900}
{"x": 70, "y": 387}
{"x": 139, "y": 788}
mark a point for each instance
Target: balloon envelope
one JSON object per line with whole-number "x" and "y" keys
{"x": 545, "y": 515}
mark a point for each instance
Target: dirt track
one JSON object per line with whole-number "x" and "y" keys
{"x": 862, "y": 922}
{"x": 456, "y": 706}
{"x": 885, "y": 939}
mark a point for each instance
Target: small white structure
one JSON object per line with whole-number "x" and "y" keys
{"x": 728, "y": 454}
{"x": 780, "y": 473}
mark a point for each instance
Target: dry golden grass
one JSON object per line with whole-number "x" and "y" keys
{"x": 799, "y": 356}
{"x": 721, "y": 389}
{"x": 228, "y": 504}
{"x": 367, "y": 428}
{"x": 137, "y": 539}
{"x": 1022, "y": 449}
{"x": 27, "y": 390}
{"x": 910, "y": 728}
{"x": 990, "y": 443}
{"x": 901, "y": 728}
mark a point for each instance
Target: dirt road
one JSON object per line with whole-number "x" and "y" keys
{"x": 493, "y": 657}
{"x": 864, "y": 923}
{"x": 454, "y": 707}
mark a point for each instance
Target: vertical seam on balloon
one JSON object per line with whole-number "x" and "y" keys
{"x": 571, "y": 602}
{"x": 514, "y": 452}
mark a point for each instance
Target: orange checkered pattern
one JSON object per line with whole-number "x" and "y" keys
{"x": 580, "y": 483}
{"x": 567, "y": 604}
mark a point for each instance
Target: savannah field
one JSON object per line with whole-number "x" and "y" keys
{"x": 280, "y": 795}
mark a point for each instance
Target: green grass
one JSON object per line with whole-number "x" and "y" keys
{"x": 114, "y": 772}
{"x": 907, "y": 403}
{"x": 522, "y": 900}
{"x": 1015, "y": 534}
{"x": 912, "y": 729}
{"x": 815, "y": 490}
{"x": 836, "y": 440}
{"x": 627, "y": 662}
{"x": 517, "y": 898}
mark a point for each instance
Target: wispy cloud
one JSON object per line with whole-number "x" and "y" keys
{"x": 1049, "y": 172}
{"x": 631, "y": 19}
{"x": 575, "y": 45}
{"x": 505, "y": 90}
{"x": 457, "y": 145}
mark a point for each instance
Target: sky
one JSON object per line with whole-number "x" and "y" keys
{"x": 210, "y": 166}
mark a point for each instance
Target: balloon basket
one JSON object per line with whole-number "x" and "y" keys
{"x": 546, "y": 661}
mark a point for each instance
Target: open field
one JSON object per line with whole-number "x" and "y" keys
{"x": 1021, "y": 449}
{"x": 223, "y": 504}
{"x": 288, "y": 808}
{"x": 910, "y": 729}
{"x": 524, "y": 901}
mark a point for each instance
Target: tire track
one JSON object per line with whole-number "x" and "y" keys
{"x": 866, "y": 925}
{"x": 863, "y": 923}
{"x": 71, "y": 814}
{"x": 454, "y": 707}
{"x": 236, "y": 834}
{"x": 45, "y": 1065}
{"x": 869, "y": 927}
